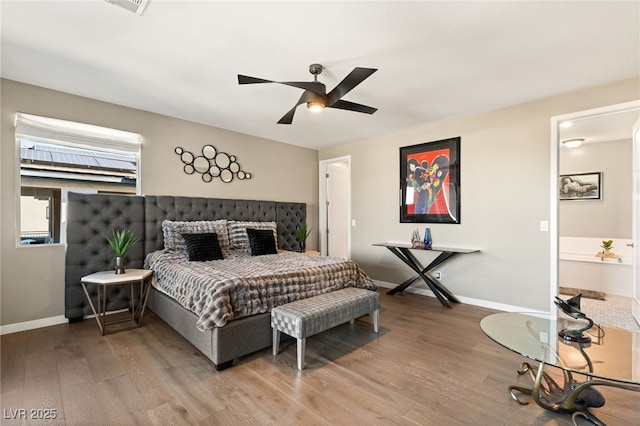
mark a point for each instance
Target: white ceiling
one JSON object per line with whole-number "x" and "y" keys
{"x": 434, "y": 59}
{"x": 602, "y": 128}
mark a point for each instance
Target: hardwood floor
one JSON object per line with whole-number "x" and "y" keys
{"x": 428, "y": 366}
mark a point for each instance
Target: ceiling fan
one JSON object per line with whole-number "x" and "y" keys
{"x": 315, "y": 93}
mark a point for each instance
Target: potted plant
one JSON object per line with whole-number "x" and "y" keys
{"x": 120, "y": 242}
{"x": 607, "y": 246}
{"x": 303, "y": 233}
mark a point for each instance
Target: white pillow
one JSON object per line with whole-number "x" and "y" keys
{"x": 173, "y": 230}
{"x": 238, "y": 238}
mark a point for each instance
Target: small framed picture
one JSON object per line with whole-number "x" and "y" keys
{"x": 581, "y": 186}
{"x": 430, "y": 182}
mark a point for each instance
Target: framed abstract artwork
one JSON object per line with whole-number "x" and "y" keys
{"x": 581, "y": 186}
{"x": 430, "y": 182}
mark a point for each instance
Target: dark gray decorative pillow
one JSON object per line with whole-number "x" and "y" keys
{"x": 238, "y": 238}
{"x": 261, "y": 241}
{"x": 202, "y": 247}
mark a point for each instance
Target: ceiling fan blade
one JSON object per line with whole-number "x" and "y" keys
{"x": 352, "y": 106}
{"x": 355, "y": 77}
{"x": 313, "y": 86}
{"x": 288, "y": 117}
{"x": 245, "y": 79}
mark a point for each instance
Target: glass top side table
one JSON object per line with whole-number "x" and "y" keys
{"x": 611, "y": 358}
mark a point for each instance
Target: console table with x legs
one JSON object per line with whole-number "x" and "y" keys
{"x": 404, "y": 253}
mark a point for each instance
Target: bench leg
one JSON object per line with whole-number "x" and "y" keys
{"x": 376, "y": 317}
{"x": 276, "y": 341}
{"x": 301, "y": 347}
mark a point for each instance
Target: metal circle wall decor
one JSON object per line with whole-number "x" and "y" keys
{"x": 212, "y": 164}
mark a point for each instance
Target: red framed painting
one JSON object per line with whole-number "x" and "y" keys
{"x": 430, "y": 182}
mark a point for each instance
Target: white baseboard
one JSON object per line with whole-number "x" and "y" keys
{"x": 468, "y": 300}
{"x": 45, "y": 322}
{"x": 30, "y": 325}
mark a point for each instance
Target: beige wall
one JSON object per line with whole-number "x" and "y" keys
{"x": 32, "y": 278}
{"x": 609, "y": 217}
{"x": 505, "y": 193}
{"x": 505, "y": 159}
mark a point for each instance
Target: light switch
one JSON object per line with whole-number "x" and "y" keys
{"x": 544, "y": 225}
{"x": 353, "y": 222}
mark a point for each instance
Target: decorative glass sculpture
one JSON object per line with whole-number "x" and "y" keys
{"x": 415, "y": 239}
{"x": 427, "y": 238}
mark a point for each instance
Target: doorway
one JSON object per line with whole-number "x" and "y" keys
{"x": 335, "y": 207}
{"x": 602, "y": 129}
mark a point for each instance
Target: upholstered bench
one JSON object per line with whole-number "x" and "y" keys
{"x": 306, "y": 317}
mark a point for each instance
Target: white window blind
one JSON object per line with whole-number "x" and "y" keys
{"x": 77, "y": 135}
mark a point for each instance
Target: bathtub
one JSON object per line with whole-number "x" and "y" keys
{"x": 580, "y": 268}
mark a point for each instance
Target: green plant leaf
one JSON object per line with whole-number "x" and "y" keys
{"x": 122, "y": 241}
{"x": 302, "y": 233}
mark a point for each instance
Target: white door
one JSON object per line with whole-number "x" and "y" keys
{"x": 635, "y": 309}
{"x": 334, "y": 201}
{"x": 338, "y": 182}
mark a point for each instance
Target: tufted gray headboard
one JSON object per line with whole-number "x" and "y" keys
{"x": 90, "y": 217}
{"x": 288, "y": 216}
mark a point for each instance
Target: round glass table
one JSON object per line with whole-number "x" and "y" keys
{"x": 603, "y": 355}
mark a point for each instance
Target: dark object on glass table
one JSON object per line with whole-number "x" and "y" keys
{"x": 571, "y": 307}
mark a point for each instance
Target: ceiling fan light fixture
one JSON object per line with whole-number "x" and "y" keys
{"x": 573, "y": 143}
{"x": 315, "y": 106}
{"x": 315, "y": 93}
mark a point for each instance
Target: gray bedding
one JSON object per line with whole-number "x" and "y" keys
{"x": 219, "y": 291}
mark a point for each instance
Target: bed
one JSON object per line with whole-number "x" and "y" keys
{"x": 235, "y": 322}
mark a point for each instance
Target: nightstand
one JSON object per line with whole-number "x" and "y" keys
{"x": 105, "y": 279}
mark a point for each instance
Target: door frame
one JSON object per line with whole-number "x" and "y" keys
{"x": 322, "y": 202}
{"x": 554, "y": 203}
{"x": 635, "y": 301}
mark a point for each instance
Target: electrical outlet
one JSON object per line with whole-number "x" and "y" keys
{"x": 437, "y": 275}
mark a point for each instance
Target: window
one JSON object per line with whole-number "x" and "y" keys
{"x": 57, "y": 157}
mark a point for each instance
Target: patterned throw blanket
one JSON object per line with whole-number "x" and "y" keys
{"x": 219, "y": 291}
